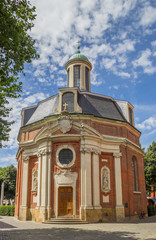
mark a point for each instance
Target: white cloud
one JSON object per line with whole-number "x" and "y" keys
{"x": 147, "y": 124}
{"x": 145, "y": 62}
{"x": 153, "y": 43}
{"x": 148, "y": 16}
{"x": 8, "y": 160}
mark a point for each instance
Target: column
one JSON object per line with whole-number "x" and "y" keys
{"x": 23, "y": 208}
{"x": 39, "y": 180}
{"x": 88, "y": 192}
{"x": 120, "y": 214}
{"x": 96, "y": 184}
{"x": 82, "y": 180}
{"x": 49, "y": 185}
{"x": 44, "y": 179}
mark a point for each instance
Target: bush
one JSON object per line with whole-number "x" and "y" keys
{"x": 7, "y": 210}
{"x": 151, "y": 210}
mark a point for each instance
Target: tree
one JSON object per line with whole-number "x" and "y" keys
{"x": 150, "y": 167}
{"x": 16, "y": 48}
{"x": 8, "y": 176}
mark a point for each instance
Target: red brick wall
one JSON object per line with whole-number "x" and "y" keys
{"x": 19, "y": 178}
{"x": 137, "y": 202}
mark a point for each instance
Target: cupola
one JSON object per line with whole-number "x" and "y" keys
{"x": 78, "y": 71}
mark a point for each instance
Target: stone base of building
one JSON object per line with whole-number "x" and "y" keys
{"x": 90, "y": 214}
{"x": 98, "y": 215}
{"x": 120, "y": 213}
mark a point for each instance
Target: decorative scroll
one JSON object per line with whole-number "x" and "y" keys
{"x": 105, "y": 179}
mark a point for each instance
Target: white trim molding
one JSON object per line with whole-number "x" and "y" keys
{"x": 57, "y": 156}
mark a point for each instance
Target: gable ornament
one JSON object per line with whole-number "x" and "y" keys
{"x": 64, "y": 122}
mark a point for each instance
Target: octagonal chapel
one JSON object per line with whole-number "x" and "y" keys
{"x": 79, "y": 155}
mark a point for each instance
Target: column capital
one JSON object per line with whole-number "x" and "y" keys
{"x": 117, "y": 155}
{"x": 25, "y": 158}
{"x": 84, "y": 149}
{"x": 90, "y": 150}
{"x": 42, "y": 151}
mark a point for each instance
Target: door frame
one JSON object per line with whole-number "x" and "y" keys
{"x": 65, "y": 178}
{"x": 59, "y": 198}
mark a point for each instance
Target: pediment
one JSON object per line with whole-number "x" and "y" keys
{"x": 51, "y": 130}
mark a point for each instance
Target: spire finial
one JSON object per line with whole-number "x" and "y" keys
{"x": 78, "y": 47}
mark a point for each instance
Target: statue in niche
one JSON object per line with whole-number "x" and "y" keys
{"x": 35, "y": 181}
{"x": 105, "y": 179}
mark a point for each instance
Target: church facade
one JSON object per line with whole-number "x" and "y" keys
{"x": 79, "y": 155}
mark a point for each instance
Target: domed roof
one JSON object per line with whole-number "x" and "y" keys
{"x": 78, "y": 55}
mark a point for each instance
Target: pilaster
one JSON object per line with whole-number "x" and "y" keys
{"x": 120, "y": 214}
{"x": 24, "y": 208}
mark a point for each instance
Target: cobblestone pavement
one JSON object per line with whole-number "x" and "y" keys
{"x": 12, "y": 229}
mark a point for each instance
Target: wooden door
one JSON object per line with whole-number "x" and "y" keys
{"x": 65, "y": 201}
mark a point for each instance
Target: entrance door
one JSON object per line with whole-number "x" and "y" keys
{"x": 65, "y": 201}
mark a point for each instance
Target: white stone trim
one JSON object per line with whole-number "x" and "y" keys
{"x": 118, "y": 180}
{"x": 96, "y": 184}
{"x": 57, "y": 156}
{"x": 65, "y": 178}
{"x": 25, "y": 181}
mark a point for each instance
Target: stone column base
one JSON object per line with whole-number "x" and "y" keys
{"x": 23, "y": 214}
{"x": 91, "y": 215}
{"x": 49, "y": 213}
{"x": 120, "y": 213}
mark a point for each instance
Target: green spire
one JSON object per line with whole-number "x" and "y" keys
{"x": 78, "y": 47}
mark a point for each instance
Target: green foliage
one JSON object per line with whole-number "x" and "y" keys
{"x": 151, "y": 211}
{"x": 16, "y": 48}
{"x": 150, "y": 166}
{"x": 7, "y": 210}
{"x": 8, "y": 176}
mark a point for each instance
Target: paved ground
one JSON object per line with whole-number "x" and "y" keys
{"x": 12, "y": 229}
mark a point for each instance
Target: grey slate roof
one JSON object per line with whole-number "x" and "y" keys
{"x": 90, "y": 103}
{"x": 44, "y": 109}
{"x": 99, "y": 106}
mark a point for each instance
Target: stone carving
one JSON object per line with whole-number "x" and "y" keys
{"x": 35, "y": 181}
{"x": 25, "y": 158}
{"x": 65, "y": 123}
{"x": 117, "y": 155}
{"x": 42, "y": 152}
{"x": 105, "y": 179}
{"x": 89, "y": 150}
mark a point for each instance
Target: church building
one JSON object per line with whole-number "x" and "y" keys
{"x": 79, "y": 155}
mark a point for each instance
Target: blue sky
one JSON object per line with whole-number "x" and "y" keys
{"x": 118, "y": 37}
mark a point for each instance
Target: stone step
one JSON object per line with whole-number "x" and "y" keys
{"x": 65, "y": 221}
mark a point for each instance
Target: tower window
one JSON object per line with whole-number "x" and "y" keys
{"x": 135, "y": 175}
{"x": 87, "y": 78}
{"x": 130, "y": 116}
{"x": 68, "y": 77}
{"x": 77, "y": 76}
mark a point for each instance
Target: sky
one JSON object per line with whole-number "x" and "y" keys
{"x": 119, "y": 39}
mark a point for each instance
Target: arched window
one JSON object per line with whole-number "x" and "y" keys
{"x": 68, "y": 77}
{"x": 135, "y": 173}
{"x": 77, "y": 76}
{"x": 68, "y": 102}
{"x": 87, "y": 78}
{"x": 130, "y": 116}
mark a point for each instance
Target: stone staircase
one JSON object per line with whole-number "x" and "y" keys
{"x": 65, "y": 221}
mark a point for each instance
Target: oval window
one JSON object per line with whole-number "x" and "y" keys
{"x": 65, "y": 156}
